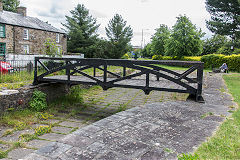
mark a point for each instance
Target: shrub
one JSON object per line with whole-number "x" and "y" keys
{"x": 41, "y": 130}
{"x": 216, "y": 60}
{"x": 38, "y": 101}
{"x": 193, "y": 58}
{"x": 125, "y": 56}
{"x": 160, "y": 57}
{"x": 43, "y": 116}
{"x": 20, "y": 125}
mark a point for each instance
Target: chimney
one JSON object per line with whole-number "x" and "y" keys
{"x": 1, "y": 6}
{"x": 22, "y": 11}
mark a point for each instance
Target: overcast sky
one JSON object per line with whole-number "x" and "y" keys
{"x": 141, "y": 15}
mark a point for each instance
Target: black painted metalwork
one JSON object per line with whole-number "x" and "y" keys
{"x": 73, "y": 66}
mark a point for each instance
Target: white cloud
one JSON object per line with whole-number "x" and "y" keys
{"x": 139, "y": 14}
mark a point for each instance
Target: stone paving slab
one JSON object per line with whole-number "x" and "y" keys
{"x": 15, "y": 136}
{"x": 71, "y": 124}
{"x": 52, "y": 136}
{"x": 63, "y": 130}
{"x": 37, "y": 143}
{"x": 19, "y": 153}
{"x": 154, "y": 131}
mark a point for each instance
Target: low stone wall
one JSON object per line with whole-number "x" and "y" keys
{"x": 20, "y": 98}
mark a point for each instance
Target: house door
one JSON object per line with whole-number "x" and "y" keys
{"x": 2, "y": 49}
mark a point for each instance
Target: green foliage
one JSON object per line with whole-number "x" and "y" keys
{"x": 102, "y": 49}
{"x": 193, "y": 58}
{"x": 27, "y": 137}
{"x": 38, "y": 101}
{"x": 216, "y": 60}
{"x": 41, "y": 130}
{"x": 20, "y": 125}
{"x": 159, "y": 40}
{"x": 146, "y": 52}
{"x": 10, "y": 5}
{"x": 213, "y": 44}
{"x": 3, "y": 154}
{"x": 185, "y": 39}
{"x": 21, "y": 77}
{"x": 81, "y": 28}
{"x": 125, "y": 56}
{"x": 225, "y": 17}
{"x": 160, "y": 57}
{"x": 188, "y": 157}
{"x": 119, "y": 35}
{"x": 51, "y": 48}
{"x": 230, "y": 47}
{"x": 43, "y": 116}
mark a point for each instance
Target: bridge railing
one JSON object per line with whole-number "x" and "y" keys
{"x": 73, "y": 67}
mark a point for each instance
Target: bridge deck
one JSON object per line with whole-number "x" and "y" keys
{"x": 138, "y": 82}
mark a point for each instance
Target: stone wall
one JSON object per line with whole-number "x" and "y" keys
{"x": 9, "y": 39}
{"x": 37, "y": 39}
{"x": 20, "y": 98}
{"x": 14, "y": 40}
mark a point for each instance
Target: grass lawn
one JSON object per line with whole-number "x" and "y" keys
{"x": 225, "y": 144}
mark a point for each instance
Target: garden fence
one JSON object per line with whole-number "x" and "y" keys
{"x": 18, "y": 68}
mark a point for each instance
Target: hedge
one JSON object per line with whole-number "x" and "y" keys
{"x": 210, "y": 60}
{"x": 216, "y": 60}
{"x": 159, "y": 57}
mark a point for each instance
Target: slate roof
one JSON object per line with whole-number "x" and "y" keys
{"x": 26, "y": 21}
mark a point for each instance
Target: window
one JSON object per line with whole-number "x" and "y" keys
{"x": 2, "y": 31}
{"x": 25, "y": 34}
{"x": 2, "y": 49}
{"x": 26, "y": 49}
{"x": 57, "y": 38}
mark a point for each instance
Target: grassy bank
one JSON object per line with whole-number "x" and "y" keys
{"x": 225, "y": 144}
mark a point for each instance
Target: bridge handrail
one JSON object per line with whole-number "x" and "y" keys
{"x": 141, "y": 65}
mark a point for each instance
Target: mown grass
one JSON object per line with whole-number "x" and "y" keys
{"x": 225, "y": 144}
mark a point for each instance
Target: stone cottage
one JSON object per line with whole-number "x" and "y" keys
{"x": 24, "y": 35}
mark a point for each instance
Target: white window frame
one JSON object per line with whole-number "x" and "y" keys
{"x": 26, "y": 49}
{"x": 57, "y": 38}
{"x": 25, "y": 34}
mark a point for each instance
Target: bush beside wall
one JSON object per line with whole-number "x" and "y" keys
{"x": 216, "y": 60}
{"x": 210, "y": 60}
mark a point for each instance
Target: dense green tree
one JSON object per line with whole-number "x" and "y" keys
{"x": 185, "y": 39}
{"x": 119, "y": 36}
{"x": 146, "y": 52}
{"x": 228, "y": 48}
{"x": 212, "y": 44}
{"x": 82, "y": 31}
{"x": 159, "y": 40}
{"x": 10, "y": 5}
{"x": 225, "y": 17}
{"x": 102, "y": 49}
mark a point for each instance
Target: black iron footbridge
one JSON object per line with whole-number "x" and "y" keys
{"x": 136, "y": 74}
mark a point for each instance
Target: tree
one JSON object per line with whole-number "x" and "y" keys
{"x": 10, "y": 5}
{"x": 51, "y": 48}
{"x": 212, "y": 44}
{"x": 146, "y": 52}
{"x": 159, "y": 40}
{"x": 119, "y": 35}
{"x": 185, "y": 39}
{"x": 81, "y": 28}
{"x": 225, "y": 17}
